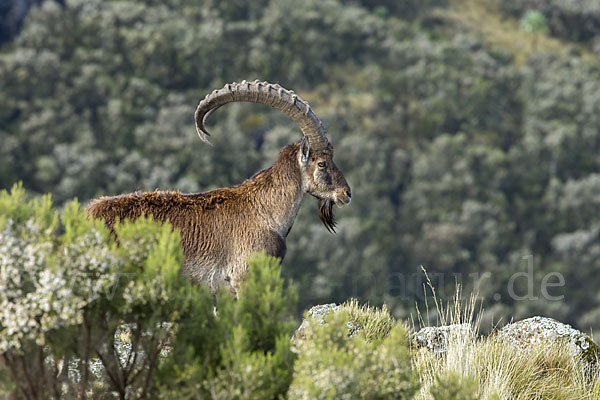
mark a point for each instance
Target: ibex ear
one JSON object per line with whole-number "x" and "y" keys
{"x": 304, "y": 151}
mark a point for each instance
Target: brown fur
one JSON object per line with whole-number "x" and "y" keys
{"x": 211, "y": 222}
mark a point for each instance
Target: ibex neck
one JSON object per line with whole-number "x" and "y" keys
{"x": 281, "y": 192}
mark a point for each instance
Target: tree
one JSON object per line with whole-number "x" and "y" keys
{"x": 535, "y": 23}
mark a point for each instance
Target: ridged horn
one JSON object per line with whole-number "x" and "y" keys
{"x": 271, "y": 95}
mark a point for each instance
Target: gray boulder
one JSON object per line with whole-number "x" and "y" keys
{"x": 531, "y": 331}
{"x": 318, "y": 314}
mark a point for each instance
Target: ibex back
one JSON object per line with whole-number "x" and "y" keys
{"x": 220, "y": 229}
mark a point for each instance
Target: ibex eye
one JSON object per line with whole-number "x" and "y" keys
{"x": 322, "y": 164}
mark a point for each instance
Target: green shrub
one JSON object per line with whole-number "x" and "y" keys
{"x": 79, "y": 315}
{"x": 248, "y": 353}
{"x": 332, "y": 366}
{"x": 82, "y": 317}
{"x": 534, "y": 22}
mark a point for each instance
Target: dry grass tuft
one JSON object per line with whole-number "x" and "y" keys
{"x": 484, "y": 368}
{"x": 375, "y": 323}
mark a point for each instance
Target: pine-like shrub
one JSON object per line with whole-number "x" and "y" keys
{"x": 247, "y": 354}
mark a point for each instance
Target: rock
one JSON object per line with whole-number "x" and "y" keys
{"x": 535, "y": 330}
{"x": 318, "y": 313}
{"x": 435, "y": 338}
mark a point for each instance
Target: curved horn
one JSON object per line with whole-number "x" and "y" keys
{"x": 275, "y": 96}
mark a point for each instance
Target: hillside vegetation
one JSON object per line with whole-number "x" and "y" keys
{"x": 471, "y": 145}
{"x": 84, "y": 318}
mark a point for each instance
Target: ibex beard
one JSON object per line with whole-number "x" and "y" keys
{"x": 221, "y": 228}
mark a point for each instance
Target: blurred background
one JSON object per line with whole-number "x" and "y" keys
{"x": 469, "y": 131}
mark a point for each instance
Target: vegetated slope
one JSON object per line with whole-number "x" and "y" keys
{"x": 469, "y": 150}
{"x": 498, "y": 24}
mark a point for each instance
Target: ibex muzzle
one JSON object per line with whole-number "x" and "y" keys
{"x": 220, "y": 229}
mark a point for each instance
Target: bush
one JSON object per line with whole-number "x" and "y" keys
{"x": 332, "y": 366}
{"x": 82, "y": 317}
{"x": 247, "y": 354}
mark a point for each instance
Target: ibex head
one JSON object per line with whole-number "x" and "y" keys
{"x": 324, "y": 180}
{"x": 320, "y": 176}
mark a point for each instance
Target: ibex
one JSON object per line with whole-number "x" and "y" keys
{"x": 221, "y": 228}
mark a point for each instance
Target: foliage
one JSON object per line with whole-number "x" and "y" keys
{"x": 82, "y": 317}
{"x": 332, "y": 366}
{"x": 70, "y": 297}
{"x": 335, "y": 364}
{"x": 461, "y": 157}
{"x": 534, "y": 22}
{"x": 246, "y": 353}
{"x": 572, "y": 20}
